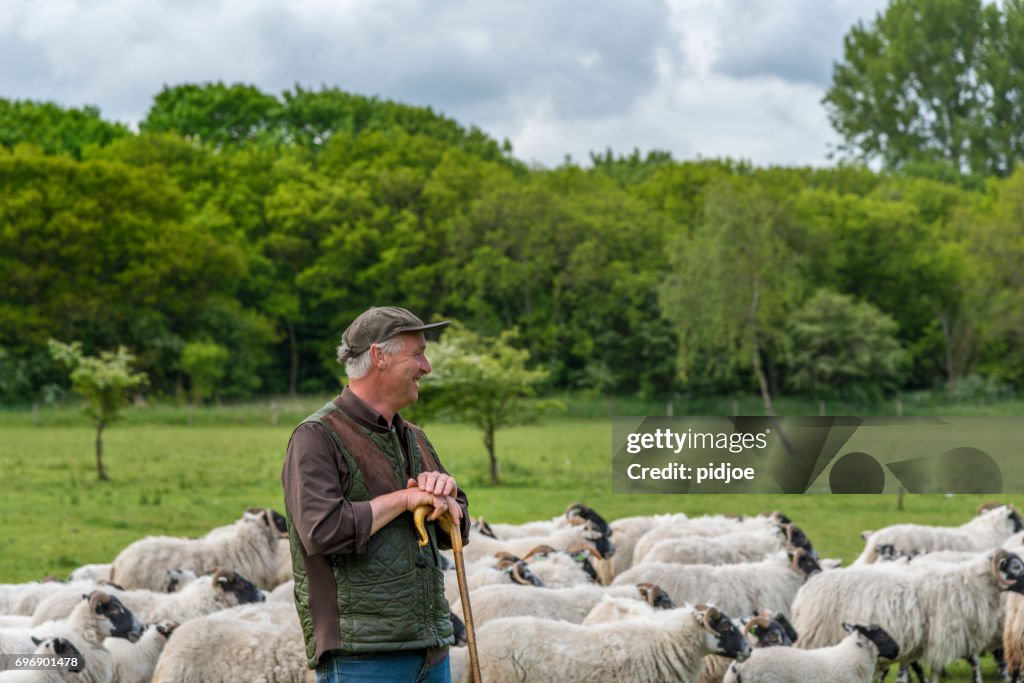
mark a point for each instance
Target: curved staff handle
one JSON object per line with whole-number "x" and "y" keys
{"x": 419, "y": 517}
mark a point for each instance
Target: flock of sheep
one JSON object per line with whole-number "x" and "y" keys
{"x": 647, "y": 598}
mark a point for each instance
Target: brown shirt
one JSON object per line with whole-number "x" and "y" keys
{"x": 315, "y": 478}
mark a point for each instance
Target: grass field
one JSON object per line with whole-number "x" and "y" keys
{"x": 168, "y": 477}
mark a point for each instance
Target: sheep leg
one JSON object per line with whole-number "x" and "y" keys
{"x": 975, "y": 668}
{"x": 903, "y": 675}
{"x": 883, "y": 672}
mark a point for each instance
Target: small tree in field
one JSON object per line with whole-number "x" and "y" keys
{"x": 485, "y": 382}
{"x": 205, "y": 363}
{"x": 103, "y": 382}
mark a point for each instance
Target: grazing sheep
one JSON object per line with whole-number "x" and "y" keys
{"x": 666, "y": 645}
{"x": 249, "y": 547}
{"x": 938, "y": 614}
{"x": 218, "y": 590}
{"x": 853, "y": 660}
{"x": 737, "y": 588}
{"x": 258, "y": 643}
{"x": 988, "y": 530}
{"x": 134, "y": 662}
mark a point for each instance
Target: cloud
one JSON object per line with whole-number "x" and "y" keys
{"x": 696, "y": 77}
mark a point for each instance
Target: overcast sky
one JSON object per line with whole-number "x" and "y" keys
{"x": 709, "y": 78}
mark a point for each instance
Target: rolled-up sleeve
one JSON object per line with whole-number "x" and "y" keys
{"x": 314, "y": 479}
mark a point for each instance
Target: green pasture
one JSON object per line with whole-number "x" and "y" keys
{"x": 169, "y": 477}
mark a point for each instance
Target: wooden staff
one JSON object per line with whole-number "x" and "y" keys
{"x": 445, "y": 520}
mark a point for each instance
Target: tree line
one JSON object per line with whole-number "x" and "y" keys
{"x": 230, "y": 240}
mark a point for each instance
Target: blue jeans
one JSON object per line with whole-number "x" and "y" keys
{"x": 393, "y": 667}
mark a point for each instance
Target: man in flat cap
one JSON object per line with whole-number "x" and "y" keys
{"x": 370, "y": 600}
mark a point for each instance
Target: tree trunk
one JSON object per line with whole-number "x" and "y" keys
{"x": 293, "y": 374}
{"x": 489, "y": 443}
{"x": 762, "y": 381}
{"x": 947, "y": 337}
{"x": 99, "y": 452}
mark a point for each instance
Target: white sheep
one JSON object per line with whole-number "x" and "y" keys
{"x": 481, "y": 546}
{"x": 134, "y": 662}
{"x": 737, "y": 588}
{"x": 283, "y": 593}
{"x": 91, "y": 572}
{"x": 734, "y": 548}
{"x": 565, "y": 604}
{"x": 853, "y": 660}
{"x": 249, "y": 546}
{"x": 489, "y": 572}
{"x": 710, "y": 526}
{"x": 97, "y": 617}
{"x": 257, "y": 643}
{"x": 762, "y": 630}
{"x": 938, "y": 613}
{"x": 988, "y": 530}
{"x": 57, "y": 647}
{"x": 219, "y": 590}
{"x": 627, "y": 531}
{"x": 667, "y": 645}
{"x": 575, "y": 514}
{"x": 23, "y": 598}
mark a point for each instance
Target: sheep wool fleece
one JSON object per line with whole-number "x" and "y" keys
{"x": 391, "y": 597}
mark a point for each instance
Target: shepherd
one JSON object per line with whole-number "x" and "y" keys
{"x": 370, "y": 598}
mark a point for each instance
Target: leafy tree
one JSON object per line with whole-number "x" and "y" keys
{"x": 485, "y": 382}
{"x": 103, "y": 382}
{"x": 205, "y": 363}
{"x": 53, "y": 128}
{"x": 215, "y": 113}
{"x": 839, "y": 346}
{"x": 909, "y": 85}
{"x": 729, "y": 286}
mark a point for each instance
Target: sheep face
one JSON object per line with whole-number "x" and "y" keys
{"x": 275, "y": 522}
{"x": 578, "y": 513}
{"x": 114, "y": 620}
{"x": 803, "y": 562}
{"x": 239, "y": 587}
{"x": 519, "y": 572}
{"x": 770, "y": 631}
{"x": 601, "y": 542}
{"x": 655, "y": 596}
{"x": 876, "y": 635}
{"x": 1015, "y": 519}
{"x": 59, "y": 647}
{"x": 1008, "y": 570}
{"x": 724, "y": 638}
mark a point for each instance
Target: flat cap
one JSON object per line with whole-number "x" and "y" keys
{"x": 378, "y": 324}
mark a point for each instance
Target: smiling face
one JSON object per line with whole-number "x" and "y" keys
{"x": 399, "y": 378}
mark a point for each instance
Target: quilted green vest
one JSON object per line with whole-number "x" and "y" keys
{"x": 392, "y": 596}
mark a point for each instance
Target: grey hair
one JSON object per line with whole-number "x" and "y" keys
{"x": 357, "y": 367}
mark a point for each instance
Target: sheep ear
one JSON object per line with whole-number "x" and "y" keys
{"x": 36, "y": 640}
{"x": 849, "y": 628}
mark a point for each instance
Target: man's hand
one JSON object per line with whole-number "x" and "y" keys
{"x": 441, "y": 487}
